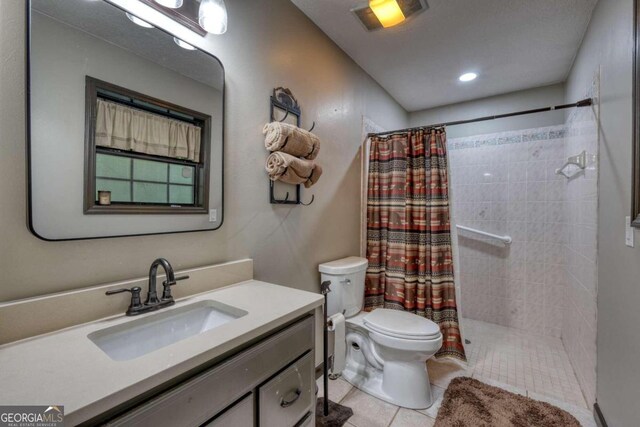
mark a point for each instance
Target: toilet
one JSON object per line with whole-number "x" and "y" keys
{"x": 386, "y": 350}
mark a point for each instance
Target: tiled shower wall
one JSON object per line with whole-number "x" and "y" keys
{"x": 506, "y": 184}
{"x": 546, "y": 280}
{"x": 579, "y": 314}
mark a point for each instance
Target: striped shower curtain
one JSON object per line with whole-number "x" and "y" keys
{"x": 408, "y": 231}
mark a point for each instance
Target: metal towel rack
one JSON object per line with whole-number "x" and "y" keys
{"x": 504, "y": 239}
{"x": 282, "y": 99}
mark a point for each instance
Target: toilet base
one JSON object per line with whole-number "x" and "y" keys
{"x": 400, "y": 383}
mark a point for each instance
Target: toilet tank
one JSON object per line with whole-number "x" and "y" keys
{"x": 347, "y": 285}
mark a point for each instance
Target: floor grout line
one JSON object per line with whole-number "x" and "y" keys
{"x": 347, "y": 394}
{"x": 394, "y": 416}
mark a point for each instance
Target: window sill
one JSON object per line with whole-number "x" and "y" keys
{"x": 148, "y": 210}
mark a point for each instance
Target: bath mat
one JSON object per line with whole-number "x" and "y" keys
{"x": 471, "y": 403}
{"x": 338, "y": 414}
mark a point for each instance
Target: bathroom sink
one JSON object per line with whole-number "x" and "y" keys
{"x": 154, "y": 331}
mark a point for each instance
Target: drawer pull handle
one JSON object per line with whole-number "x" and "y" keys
{"x": 286, "y": 403}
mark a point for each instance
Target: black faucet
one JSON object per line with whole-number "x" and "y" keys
{"x": 152, "y": 295}
{"x": 152, "y": 302}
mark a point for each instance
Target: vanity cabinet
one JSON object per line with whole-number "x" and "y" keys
{"x": 268, "y": 384}
{"x": 286, "y": 399}
{"x": 240, "y": 414}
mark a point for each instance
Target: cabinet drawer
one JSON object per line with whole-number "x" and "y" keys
{"x": 202, "y": 397}
{"x": 287, "y": 398}
{"x": 309, "y": 420}
{"x": 239, "y": 415}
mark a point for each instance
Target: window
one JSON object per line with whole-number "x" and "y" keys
{"x": 139, "y": 181}
{"x": 151, "y": 156}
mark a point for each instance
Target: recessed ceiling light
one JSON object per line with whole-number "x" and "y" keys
{"x": 138, "y": 21}
{"x": 388, "y": 12}
{"x": 183, "y": 44}
{"x": 467, "y": 77}
{"x": 171, "y": 4}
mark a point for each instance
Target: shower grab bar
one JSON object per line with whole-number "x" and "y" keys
{"x": 504, "y": 239}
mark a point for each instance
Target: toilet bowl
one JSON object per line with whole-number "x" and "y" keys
{"x": 386, "y": 349}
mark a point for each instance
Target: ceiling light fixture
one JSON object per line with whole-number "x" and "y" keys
{"x": 212, "y": 16}
{"x": 171, "y": 4}
{"x": 388, "y": 12}
{"x": 183, "y": 44}
{"x": 371, "y": 20}
{"x": 138, "y": 21}
{"x": 467, "y": 77}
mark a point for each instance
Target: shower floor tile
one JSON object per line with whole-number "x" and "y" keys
{"x": 512, "y": 359}
{"x": 520, "y": 359}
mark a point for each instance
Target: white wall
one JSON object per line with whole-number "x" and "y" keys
{"x": 268, "y": 44}
{"x": 500, "y": 104}
{"x": 608, "y": 44}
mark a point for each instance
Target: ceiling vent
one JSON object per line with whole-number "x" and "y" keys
{"x": 409, "y": 8}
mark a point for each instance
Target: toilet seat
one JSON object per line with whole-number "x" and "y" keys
{"x": 401, "y": 344}
{"x": 401, "y": 325}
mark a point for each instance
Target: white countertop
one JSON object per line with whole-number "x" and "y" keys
{"x": 66, "y": 368}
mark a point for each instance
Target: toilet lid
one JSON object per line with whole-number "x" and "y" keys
{"x": 401, "y": 324}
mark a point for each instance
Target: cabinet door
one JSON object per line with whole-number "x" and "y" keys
{"x": 198, "y": 399}
{"x": 286, "y": 398}
{"x": 239, "y": 415}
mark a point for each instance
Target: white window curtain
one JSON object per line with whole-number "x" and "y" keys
{"x": 130, "y": 129}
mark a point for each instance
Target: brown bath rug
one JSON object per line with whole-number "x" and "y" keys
{"x": 471, "y": 403}
{"x": 338, "y": 414}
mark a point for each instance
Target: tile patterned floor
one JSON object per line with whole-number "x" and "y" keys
{"x": 514, "y": 360}
{"x": 520, "y": 359}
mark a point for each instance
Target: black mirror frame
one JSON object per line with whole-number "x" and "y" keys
{"x": 635, "y": 185}
{"x": 28, "y": 170}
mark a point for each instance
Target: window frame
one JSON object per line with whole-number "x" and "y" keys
{"x": 201, "y": 180}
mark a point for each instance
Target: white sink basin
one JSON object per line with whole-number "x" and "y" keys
{"x": 162, "y": 328}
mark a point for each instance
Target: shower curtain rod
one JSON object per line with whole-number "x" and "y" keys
{"x": 583, "y": 103}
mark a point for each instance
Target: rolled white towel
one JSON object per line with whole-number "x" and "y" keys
{"x": 292, "y": 170}
{"x": 291, "y": 139}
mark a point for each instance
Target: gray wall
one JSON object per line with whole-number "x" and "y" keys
{"x": 507, "y": 103}
{"x": 286, "y": 243}
{"x": 608, "y": 44}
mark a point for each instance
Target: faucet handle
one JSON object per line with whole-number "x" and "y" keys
{"x": 176, "y": 279}
{"x": 135, "y": 296}
{"x": 166, "y": 293}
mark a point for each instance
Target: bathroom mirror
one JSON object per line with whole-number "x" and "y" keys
{"x": 635, "y": 184}
{"x": 125, "y": 126}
